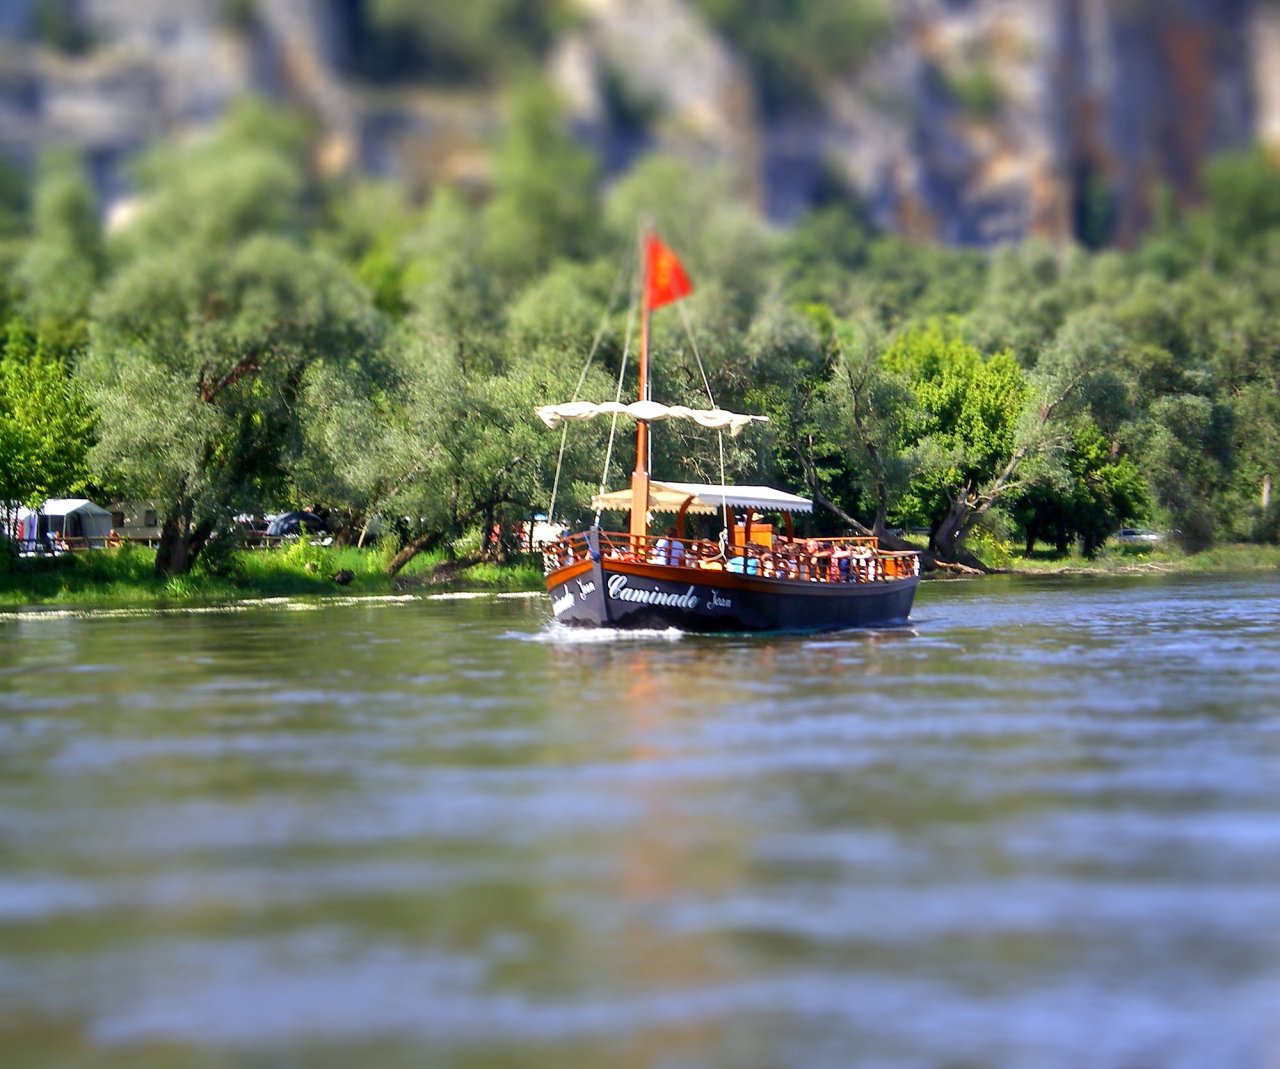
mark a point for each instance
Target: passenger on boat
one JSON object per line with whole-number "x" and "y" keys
{"x": 788, "y": 563}
{"x": 815, "y": 561}
{"x": 840, "y": 564}
{"x": 668, "y": 549}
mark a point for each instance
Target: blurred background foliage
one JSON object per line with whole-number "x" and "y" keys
{"x": 260, "y": 331}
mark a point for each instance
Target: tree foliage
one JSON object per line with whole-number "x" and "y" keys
{"x": 214, "y": 318}
{"x": 962, "y": 424}
{"x": 255, "y": 338}
{"x": 46, "y": 423}
{"x": 64, "y": 261}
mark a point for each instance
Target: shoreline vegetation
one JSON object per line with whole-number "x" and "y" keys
{"x": 257, "y": 339}
{"x": 127, "y": 577}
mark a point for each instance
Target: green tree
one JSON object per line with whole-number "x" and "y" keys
{"x": 544, "y": 203}
{"x": 365, "y": 226}
{"x": 1187, "y": 455}
{"x": 198, "y": 378}
{"x": 64, "y": 261}
{"x": 1243, "y": 194}
{"x": 1087, "y": 495}
{"x": 822, "y": 255}
{"x": 863, "y": 411}
{"x": 778, "y": 370}
{"x": 204, "y": 336}
{"x": 723, "y": 245}
{"x": 46, "y": 423}
{"x": 460, "y": 451}
{"x": 964, "y": 426}
{"x": 1029, "y": 291}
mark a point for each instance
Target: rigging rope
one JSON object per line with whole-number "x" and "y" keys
{"x": 613, "y": 427}
{"x": 706, "y": 385}
{"x": 622, "y": 371}
{"x": 595, "y": 344}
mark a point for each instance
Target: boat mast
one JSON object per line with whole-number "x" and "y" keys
{"x": 640, "y": 476}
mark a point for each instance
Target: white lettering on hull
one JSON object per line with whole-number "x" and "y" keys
{"x": 620, "y": 591}
{"x": 562, "y": 604}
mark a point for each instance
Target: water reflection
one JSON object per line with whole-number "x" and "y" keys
{"x": 1037, "y": 828}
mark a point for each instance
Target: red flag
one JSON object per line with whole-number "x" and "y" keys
{"x": 667, "y": 280}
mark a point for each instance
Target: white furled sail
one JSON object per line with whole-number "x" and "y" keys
{"x": 714, "y": 418}
{"x": 704, "y": 498}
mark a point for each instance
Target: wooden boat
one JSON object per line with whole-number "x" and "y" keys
{"x": 755, "y": 577}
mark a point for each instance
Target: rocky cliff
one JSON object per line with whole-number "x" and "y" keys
{"x": 970, "y": 121}
{"x": 979, "y": 121}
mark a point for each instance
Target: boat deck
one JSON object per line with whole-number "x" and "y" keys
{"x": 815, "y": 560}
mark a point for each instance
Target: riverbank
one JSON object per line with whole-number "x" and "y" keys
{"x": 1135, "y": 560}
{"x": 126, "y": 577}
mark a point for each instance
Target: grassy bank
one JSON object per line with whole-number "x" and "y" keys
{"x": 1126, "y": 560}
{"x": 127, "y": 576}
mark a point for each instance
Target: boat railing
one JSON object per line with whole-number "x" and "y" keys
{"x": 820, "y": 560}
{"x": 564, "y": 551}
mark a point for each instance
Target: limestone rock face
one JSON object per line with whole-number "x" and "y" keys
{"x": 972, "y": 121}
{"x": 987, "y": 121}
{"x": 656, "y": 57}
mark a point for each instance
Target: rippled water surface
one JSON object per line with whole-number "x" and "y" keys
{"x": 1040, "y": 828}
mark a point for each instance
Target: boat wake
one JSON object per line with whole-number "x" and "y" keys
{"x": 560, "y": 635}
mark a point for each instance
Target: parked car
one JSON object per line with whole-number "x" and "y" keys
{"x": 1136, "y": 536}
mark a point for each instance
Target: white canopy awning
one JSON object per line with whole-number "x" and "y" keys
{"x": 77, "y": 516}
{"x": 714, "y": 418}
{"x": 705, "y": 498}
{"x": 64, "y": 506}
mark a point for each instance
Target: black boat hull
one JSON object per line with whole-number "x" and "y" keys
{"x": 608, "y": 593}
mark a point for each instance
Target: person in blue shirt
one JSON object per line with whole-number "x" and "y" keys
{"x": 668, "y": 549}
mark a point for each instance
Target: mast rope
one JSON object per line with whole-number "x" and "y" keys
{"x": 582, "y": 378}
{"x": 622, "y": 371}
{"x": 706, "y": 385}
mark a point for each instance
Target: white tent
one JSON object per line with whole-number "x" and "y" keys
{"x": 72, "y": 517}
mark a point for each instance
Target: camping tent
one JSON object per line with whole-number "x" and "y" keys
{"x": 292, "y": 523}
{"x": 72, "y": 517}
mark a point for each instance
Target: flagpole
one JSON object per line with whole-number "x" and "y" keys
{"x": 640, "y": 476}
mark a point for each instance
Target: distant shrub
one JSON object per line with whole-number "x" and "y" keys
{"x": 304, "y": 552}
{"x": 1196, "y": 528}
{"x": 468, "y": 543}
{"x": 1266, "y": 526}
{"x": 523, "y": 576}
{"x": 220, "y": 557}
{"x": 990, "y": 540}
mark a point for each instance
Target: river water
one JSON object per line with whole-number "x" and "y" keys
{"x": 1039, "y": 828}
